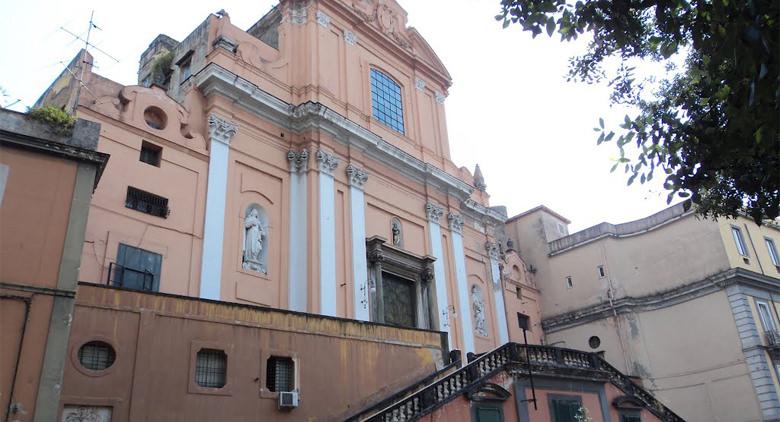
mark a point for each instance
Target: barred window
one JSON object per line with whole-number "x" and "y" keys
{"x": 150, "y": 153}
{"x": 149, "y": 203}
{"x": 96, "y": 355}
{"x": 211, "y": 368}
{"x": 386, "y": 105}
{"x": 280, "y": 374}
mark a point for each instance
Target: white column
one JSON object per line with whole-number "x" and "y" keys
{"x": 464, "y": 305}
{"x": 327, "y": 164}
{"x": 298, "y": 258}
{"x": 434, "y": 213}
{"x": 357, "y": 178}
{"x": 221, "y": 132}
{"x": 498, "y": 293}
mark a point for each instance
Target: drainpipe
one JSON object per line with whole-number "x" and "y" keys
{"x": 26, "y": 301}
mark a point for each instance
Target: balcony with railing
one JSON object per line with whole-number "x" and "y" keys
{"x": 772, "y": 339}
{"x": 518, "y": 359}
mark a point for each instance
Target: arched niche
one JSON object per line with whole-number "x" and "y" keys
{"x": 254, "y": 245}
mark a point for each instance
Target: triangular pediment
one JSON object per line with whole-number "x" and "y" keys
{"x": 425, "y": 53}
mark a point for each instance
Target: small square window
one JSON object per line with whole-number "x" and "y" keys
{"x": 523, "y": 321}
{"x": 602, "y": 272}
{"x": 211, "y": 368}
{"x": 280, "y": 374}
{"x": 150, "y": 153}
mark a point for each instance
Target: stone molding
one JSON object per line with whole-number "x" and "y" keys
{"x": 326, "y": 162}
{"x": 433, "y": 212}
{"x": 225, "y": 43}
{"x": 455, "y": 222}
{"x": 350, "y": 37}
{"x": 298, "y": 160}
{"x": 357, "y": 177}
{"x": 322, "y": 19}
{"x": 492, "y": 249}
{"x": 221, "y": 130}
{"x": 419, "y": 84}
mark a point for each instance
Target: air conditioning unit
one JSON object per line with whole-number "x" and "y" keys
{"x": 288, "y": 399}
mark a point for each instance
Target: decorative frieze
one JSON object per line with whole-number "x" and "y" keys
{"x": 350, "y": 37}
{"x": 298, "y": 160}
{"x": 322, "y": 19}
{"x": 356, "y": 176}
{"x": 455, "y": 222}
{"x": 326, "y": 162}
{"x": 221, "y": 130}
{"x": 419, "y": 84}
{"x": 433, "y": 212}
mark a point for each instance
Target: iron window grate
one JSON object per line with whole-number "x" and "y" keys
{"x": 147, "y": 202}
{"x": 280, "y": 374}
{"x": 211, "y": 368}
{"x": 96, "y": 355}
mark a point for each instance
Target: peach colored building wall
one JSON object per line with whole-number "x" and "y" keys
{"x": 245, "y": 108}
{"x": 156, "y": 338}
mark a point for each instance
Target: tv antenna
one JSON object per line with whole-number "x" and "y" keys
{"x": 83, "y": 61}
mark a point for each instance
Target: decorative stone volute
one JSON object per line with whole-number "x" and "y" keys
{"x": 433, "y": 212}
{"x": 456, "y": 222}
{"x": 357, "y": 177}
{"x": 221, "y": 130}
{"x": 298, "y": 160}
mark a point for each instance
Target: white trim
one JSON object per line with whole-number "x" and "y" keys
{"x": 327, "y": 244}
{"x": 440, "y": 281}
{"x": 359, "y": 261}
{"x": 298, "y": 259}
{"x": 498, "y": 295}
{"x": 464, "y": 310}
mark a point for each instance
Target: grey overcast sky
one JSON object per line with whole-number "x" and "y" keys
{"x": 510, "y": 108}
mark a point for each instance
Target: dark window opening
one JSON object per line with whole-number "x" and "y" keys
{"x": 280, "y": 374}
{"x": 602, "y": 273}
{"x": 565, "y": 409}
{"x": 569, "y": 282}
{"x": 399, "y": 297}
{"x": 519, "y": 292}
{"x": 147, "y": 202}
{"x": 488, "y": 414}
{"x": 96, "y": 355}
{"x": 135, "y": 268}
{"x": 150, "y": 153}
{"x": 155, "y": 118}
{"x": 211, "y": 368}
{"x": 630, "y": 417}
{"x": 594, "y": 342}
{"x": 523, "y": 321}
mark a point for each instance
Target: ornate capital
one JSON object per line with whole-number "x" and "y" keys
{"x": 427, "y": 274}
{"x": 440, "y": 97}
{"x": 326, "y": 162}
{"x": 221, "y": 130}
{"x": 433, "y": 211}
{"x": 350, "y": 37}
{"x": 456, "y": 222}
{"x": 357, "y": 177}
{"x": 299, "y": 12}
{"x": 298, "y": 160}
{"x": 419, "y": 84}
{"x": 492, "y": 249}
{"x": 322, "y": 19}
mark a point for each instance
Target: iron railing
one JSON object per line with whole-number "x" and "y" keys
{"x": 122, "y": 276}
{"x": 772, "y": 338}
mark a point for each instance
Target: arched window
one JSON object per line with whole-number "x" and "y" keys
{"x": 386, "y": 105}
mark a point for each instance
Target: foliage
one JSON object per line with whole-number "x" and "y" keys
{"x": 161, "y": 67}
{"x": 56, "y": 117}
{"x": 711, "y": 124}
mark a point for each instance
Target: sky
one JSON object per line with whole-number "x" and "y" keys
{"x": 510, "y": 108}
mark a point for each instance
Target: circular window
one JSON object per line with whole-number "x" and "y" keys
{"x": 155, "y": 118}
{"x": 594, "y": 342}
{"x": 96, "y": 355}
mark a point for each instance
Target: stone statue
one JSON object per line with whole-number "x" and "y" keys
{"x": 478, "y": 306}
{"x": 396, "y": 229}
{"x": 253, "y": 241}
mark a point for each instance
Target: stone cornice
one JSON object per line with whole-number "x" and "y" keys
{"x": 214, "y": 79}
{"x": 221, "y": 130}
{"x": 659, "y": 300}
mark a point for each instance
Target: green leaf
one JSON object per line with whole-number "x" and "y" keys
{"x": 601, "y": 123}
{"x": 612, "y": 170}
{"x": 550, "y": 26}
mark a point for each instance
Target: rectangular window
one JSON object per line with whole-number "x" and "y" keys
{"x": 135, "y": 268}
{"x": 569, "y": 282}
{"x": 386, "y": 105}
{"x": 565, "y": 409}
{"x": 150, "y": 153}
{"x": 602, "y": 272}
{"x": 523, "y": 321}
{"x": 630, "y": 417}
{"x": 211, "y": 368}
{"x": 399, "y": 300}
{"x": 487, "y": 413}
{"x": 519, "y": 292}
{"x": 739, "y": 241}
{"x": 765, "y": 313}
{"x": 280, "y": 374}
{"x": 146, "y": 202}
{"x": 770, "y": 246}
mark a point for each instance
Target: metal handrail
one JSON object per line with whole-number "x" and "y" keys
{"x": 116, "y": 276}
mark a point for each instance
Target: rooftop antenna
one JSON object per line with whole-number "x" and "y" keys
{"x": 84, "y": 63}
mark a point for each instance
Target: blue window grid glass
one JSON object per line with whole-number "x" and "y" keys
{"x": 386, "y": 105}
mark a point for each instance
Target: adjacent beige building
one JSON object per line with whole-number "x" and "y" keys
{"x": 685, "y": 303}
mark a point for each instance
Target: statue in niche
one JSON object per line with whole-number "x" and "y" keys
{"x": 478, "y": 306}
{"x": 395, "y": 228}
{"x": 254, "y": 235}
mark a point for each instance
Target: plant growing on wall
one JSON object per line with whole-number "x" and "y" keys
{"x": 583, "y": 415}
{"x": 161, "y": 67}
{"x": 56, "y": 117}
